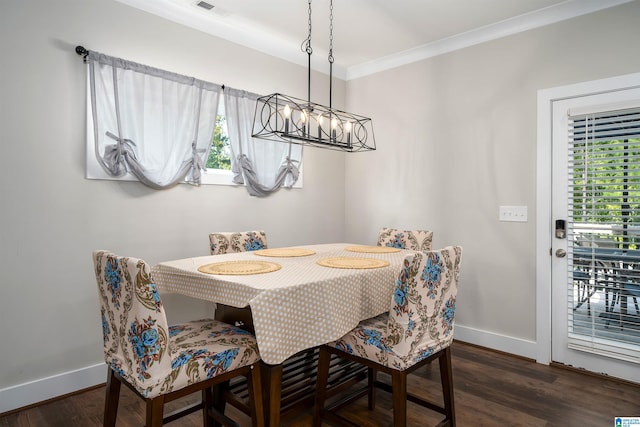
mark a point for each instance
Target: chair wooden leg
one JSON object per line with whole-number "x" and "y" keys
{"x": 207, "y": 402}
{"x": 321, "y": 386}
{"x": 446, "y": 377}
{"x": 218, "y": 400}
{"x": 371, "y": 381}
{"x": 155, "y": 411}
{"x": 112, "y": 397}
{"x": 399, "y": 387}
{"x": 254, "y": 384}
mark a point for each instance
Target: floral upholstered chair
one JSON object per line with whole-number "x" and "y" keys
{"x": 417, "y": 240}
{"x": 224, "y": 243}
{"x": 161, "y": 362}
{"x": 417, "y": 330}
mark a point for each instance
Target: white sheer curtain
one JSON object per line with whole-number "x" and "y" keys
{"x": 151, "y": 123}
{"x": 263, "y": 166}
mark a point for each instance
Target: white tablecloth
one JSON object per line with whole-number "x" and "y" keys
{"x": 300, "y": 306}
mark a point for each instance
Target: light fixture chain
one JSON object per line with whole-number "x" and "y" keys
{"x": 306, "y": 43}
{"x": 331, "y": 31}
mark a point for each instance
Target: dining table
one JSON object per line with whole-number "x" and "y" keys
{"x": 298, "y": 298}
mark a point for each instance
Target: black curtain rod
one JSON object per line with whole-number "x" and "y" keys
{"x": 80, "y": 50}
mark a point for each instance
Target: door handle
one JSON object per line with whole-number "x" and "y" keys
{"x": 561, "y": 253}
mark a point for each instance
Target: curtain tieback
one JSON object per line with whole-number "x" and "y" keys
{"x": 196, "y": 164}
{"x": 291, "y": 163}
{"x": 292, "y": 169}
{"x": 115, "y": 155}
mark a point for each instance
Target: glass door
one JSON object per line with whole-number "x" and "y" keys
{"x": 596, "y": 251}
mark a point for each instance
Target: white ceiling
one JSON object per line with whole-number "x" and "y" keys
{"x": 368, "y": 35}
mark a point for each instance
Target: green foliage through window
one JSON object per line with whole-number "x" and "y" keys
{"x": 606, "y": 188}
{"x": 220, "y": 154}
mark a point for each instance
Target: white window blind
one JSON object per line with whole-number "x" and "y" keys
{"x": 604, "y": 233}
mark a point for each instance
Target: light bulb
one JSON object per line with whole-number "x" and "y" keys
{"x": 287, "y": 114}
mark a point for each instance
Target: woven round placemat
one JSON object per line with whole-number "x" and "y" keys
{"x": 372, "y": 249}
{"x": 284, "y": 252}
{"x": 238, "y": 268}
{"x": 352, "y": 262}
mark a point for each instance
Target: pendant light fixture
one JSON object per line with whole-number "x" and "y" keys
{"x": 284, "y": 118}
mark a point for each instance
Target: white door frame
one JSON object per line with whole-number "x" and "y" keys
{"x": 543, "y": 195}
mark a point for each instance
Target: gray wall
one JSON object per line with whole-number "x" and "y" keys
{"x": 457, "y": 138}
{"x": 52, "y": 217}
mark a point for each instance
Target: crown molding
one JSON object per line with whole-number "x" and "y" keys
{"x": 239, "y": 31}
{"x": 245, "y": 33}
{"x": 549, "y": 15}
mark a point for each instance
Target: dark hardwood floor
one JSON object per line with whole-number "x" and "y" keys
{"x": 491, "y": 389}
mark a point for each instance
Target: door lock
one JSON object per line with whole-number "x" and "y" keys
{"x": 561, "y": 230}
{"x": 561, "y": 253}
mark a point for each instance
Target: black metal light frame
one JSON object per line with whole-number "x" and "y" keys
{"x": 284, "y": 118}
{"x": 289, "y": 119}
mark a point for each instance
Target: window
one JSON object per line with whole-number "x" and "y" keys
{"x": 218, "y": 167}
{"x": 147, "y": 124}
{"x": 605, "y": 187}
{"x": 604, "y": 231}
{"x": 162, "y": 128}
{"x": 220, "y": 153}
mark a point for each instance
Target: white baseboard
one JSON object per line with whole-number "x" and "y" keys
{"x": 495, "y": 341}
{"x": 39, "y": 390}
{"x": 43, "y": 389}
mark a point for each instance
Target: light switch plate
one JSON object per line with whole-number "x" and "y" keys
{"x": 513, "y": 213}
